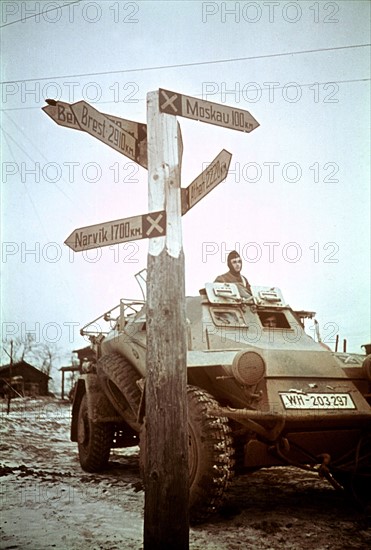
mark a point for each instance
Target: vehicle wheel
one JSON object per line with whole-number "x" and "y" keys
{"x": 210, "y": 455}
{"x": 94, "y": 440}
{"x": 119, "y": 382}
{"x": 357, "y": 483}
{"x": 356, "y": 486}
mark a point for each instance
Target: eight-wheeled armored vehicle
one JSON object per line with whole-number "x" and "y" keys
{"x": 261, "y": 392}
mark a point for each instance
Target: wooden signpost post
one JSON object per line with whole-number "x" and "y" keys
{"x": 166, "y": 472}
{"x": 166, "y": 522}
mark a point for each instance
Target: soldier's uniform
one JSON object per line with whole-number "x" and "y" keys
{"x": 233, "y": 276}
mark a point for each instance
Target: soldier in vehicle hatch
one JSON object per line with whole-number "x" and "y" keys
{"x": 234, "y": 275}
{"x": 270, "y": 321}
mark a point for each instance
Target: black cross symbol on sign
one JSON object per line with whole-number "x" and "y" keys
{"x": 154, "y": 222}
{"x": 170, "y": 102}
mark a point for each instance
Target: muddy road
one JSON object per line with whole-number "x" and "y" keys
{"x": 47, "y": 501}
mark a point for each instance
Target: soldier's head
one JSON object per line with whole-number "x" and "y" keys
{"x": 234, "y": 262}
{"x": 270, "y": 321}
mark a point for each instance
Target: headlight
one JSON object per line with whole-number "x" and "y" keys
{"x": 248, "y": 368}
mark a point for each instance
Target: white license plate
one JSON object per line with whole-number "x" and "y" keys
{"x": 332, "y": 401}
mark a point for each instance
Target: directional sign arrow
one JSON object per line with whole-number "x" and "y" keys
{"x": 214, "y": 174}
{"x": 101, "y": 127}
{"x": 145, "y": 226}
{"x": 175, "y": 104}
{"x": 62, "y": 113}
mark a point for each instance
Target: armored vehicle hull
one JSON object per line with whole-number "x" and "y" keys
{"x": 262, "y": 392}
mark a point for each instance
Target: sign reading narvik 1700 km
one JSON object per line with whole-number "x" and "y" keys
{"x": 118, "y": 231}
{"x": 214, "y": 174}
{"x": 176, "y": 104}
{"x": 101, "y": 127}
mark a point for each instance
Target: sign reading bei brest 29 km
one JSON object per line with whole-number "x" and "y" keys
{"x": 173, "y": 103}
{"x": 62, "y": 114}
{"x": 101, "y": 127}
{"x": 118, "y": 231}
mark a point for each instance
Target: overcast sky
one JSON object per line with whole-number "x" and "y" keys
{"x": 296, "y": 202}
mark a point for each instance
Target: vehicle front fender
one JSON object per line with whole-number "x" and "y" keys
{"x": 99, "y": 407}
{"x": 78, "y": 395}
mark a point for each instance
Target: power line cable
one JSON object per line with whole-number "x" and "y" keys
{"x": 40, "y": 13}
{"x": 7, "y": 137}
{"x": 192, "y": 64}
{"x": 350, "y": 81}
{"x": 65, "y": 283}
{"x": 37, "y": 149}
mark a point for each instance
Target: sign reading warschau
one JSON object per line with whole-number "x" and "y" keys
{"x": 214, "y": 174}
{"x": 176, "y": 104}
{"x": 108, "y": 131}
{"x": 118, "y": 231}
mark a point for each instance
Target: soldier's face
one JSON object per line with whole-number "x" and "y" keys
{"x": 236, "y": 264}
{"x": 270, "y": 322}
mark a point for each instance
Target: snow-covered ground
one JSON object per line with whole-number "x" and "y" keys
{"x": 47, "y": 501}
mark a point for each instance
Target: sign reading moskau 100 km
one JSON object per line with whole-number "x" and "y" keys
{"x": 118, "y": 231}
{"x": 214, "y": 174}
{"x": 173, "y": 103}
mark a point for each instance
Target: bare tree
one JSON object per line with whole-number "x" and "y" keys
{"x": 42, "y": 354}
{"x": 45, "y": 355}
{"x": 18, "y": 348}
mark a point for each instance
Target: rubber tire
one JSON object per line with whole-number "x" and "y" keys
{"x": 119, "y": 382}
{"x": 94, "y": 440}
{"x": 358, "y": 485}
{"x": 211, "y": 463}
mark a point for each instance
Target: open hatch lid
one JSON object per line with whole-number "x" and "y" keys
{"x": 223, "y": 293}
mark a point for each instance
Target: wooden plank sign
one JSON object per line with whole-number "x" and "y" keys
{"x": 214, "y": 174}
{"x": 218, "y": 114}
{"x": 62, "y": 114}
{"x": 145, "y": 226}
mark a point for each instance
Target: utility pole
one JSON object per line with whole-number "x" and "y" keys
{"x": 166, "y": 476}
{"x": 165, "y": 439}
{"x": 10, "y": 387}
